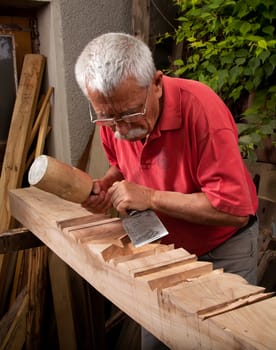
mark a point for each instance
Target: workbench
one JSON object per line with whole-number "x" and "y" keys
{"x": 182, "y": 301}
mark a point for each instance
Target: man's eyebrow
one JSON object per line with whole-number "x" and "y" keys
{"x": 126, "y": 112}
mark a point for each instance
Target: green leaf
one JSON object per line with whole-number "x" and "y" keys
{"x": 202, "y": 78}
{"x": 268, "y": 68}
{"x": 254, "y": 38}
{"x": 272, "y": 60}
{"x": 191, "y": 39}
{"x": 179, "y": 72}
{"x": 264, "y": 55}
{"x": 259, "y": 99}
{"x": 255, "y": 137}
{"x": 252, "y": 118}
{"x": 211, "y": 68}
{"x": 262, "y": 44}
{"x": 245, "y": 28}
{"x": 222, "y": 77}
{"x": 268, "y": 30}
{"x": 245, "y": 139}
{"x": 178, "y": 62}
{"x": 214, "y": 5}
{"x": 222, "y": 44}
{"x": 226, "y": 59}
{"x": 254, "y": 63}
{"x": 212, "y": 39}
{"x": 235, "y": 93}
{"x": 234, "y": 73}
{"x": 240, "y": 61}
{"x": 241, "y": 53}
{"x": 266, "y": 129}
{"x": 198, "y": 44}
{"x": 242, "y": 127}
{"x": 258, "y": 75}
{"x": 242, "y": 10}
{"x": 247, "y": 71}
{"x": 249, "y": 85}
{"x": 272, "y": 89}
{"x": 271, "y": 43}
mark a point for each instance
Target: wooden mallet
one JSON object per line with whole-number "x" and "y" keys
{"x": 61, "y": 179}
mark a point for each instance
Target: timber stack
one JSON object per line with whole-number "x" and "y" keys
{"x": 22, "y": 272}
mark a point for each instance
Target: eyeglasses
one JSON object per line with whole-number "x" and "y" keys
{"x": 128, "y": 118}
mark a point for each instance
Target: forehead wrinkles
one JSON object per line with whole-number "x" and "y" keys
{"x": 119, "y": 105}
{"x": 112, "y": 104}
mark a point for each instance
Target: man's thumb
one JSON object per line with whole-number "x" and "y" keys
{"x": 96, "y": 188}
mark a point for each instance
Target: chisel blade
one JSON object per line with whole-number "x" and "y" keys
{"x": 143, "y": 227}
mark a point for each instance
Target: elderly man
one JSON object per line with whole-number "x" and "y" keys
{"x": 172, "y": 147}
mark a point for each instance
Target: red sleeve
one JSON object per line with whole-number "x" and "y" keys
{"x": 223, "y": 175}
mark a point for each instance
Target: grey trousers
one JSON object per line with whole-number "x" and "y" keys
{"x": 238, "y": 255}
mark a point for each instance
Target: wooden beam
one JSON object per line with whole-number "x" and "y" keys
{"x": 18, "y": 239}
{"x": 185, "y": 304}
{"x": 62, "y": 298}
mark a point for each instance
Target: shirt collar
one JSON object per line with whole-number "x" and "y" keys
{"x": 170, "y": 117}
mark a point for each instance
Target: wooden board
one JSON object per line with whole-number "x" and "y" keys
{"x": 18, "y": 239}
{"x": 20, "y": 129}
{"x": 266, "y": 173}
{"x": 183, "y": 302}
{"x": 62, "y": 299}
{"x": 13, "y": 324}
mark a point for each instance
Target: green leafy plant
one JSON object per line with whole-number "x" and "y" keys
{"x": 231, "y": 46}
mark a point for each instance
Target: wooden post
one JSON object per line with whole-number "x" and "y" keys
{"x": 141, "y": 19}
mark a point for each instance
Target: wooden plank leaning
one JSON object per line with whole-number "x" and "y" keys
{"x": 15, "y": 157}
{"x": 20, "y": 130}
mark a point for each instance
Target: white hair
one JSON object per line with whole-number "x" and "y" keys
{"x": 111, "y": 58}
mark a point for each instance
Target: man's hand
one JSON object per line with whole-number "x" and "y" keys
{"x": 100, "y": 200}
{"x": 128, "y": 195}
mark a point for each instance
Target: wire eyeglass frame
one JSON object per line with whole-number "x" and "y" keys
{"x": 128, "y": 118}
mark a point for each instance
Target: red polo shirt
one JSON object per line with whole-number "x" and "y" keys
{"x": 193, "y": 148}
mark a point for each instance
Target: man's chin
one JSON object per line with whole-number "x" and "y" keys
{"x": 132, "y": 135}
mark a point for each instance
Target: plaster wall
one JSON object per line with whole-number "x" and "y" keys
{"x": 65, "y": 27}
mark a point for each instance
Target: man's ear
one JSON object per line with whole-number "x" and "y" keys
{"x": 157, "y": 83}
